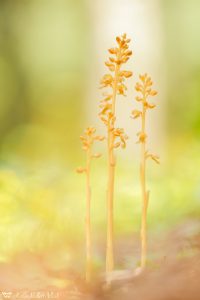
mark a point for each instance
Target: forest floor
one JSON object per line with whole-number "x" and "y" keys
{"x": 173, "y": 272}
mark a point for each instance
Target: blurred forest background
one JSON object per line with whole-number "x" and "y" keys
{"x": 52, "y": 55}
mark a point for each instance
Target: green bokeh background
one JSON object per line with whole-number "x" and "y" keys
{"x": 46, "y": 50}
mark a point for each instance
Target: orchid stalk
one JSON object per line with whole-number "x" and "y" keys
{"x": 88, "y": 140}
{"x": 144, "y": 87}
{"x": 116, "y": 137}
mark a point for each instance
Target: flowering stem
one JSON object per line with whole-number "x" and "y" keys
{"x": 144, "y": 87}
{"x": 88, "y": 221}
{"x": 111, "y": 180}
{"x": 145, "y": 195}
{"x": 115, "y": 136}
{"x": 88, "y": 140}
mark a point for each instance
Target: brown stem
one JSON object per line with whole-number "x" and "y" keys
{"x": 88, "y": 221}
{"x": 110, "y": 195}
{"x": 145, "y": 195}
{"x": 111, "y": 179}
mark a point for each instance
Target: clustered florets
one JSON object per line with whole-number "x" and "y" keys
{"x": 87, "y": 142}
{"x": 144, "y": 87}
{"x": 119, "y": 56}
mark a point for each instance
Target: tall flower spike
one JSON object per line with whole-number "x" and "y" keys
{"x": 88, "y": 140}
{"x": 144, "y": 88}
{"x": 115, "y": 82}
